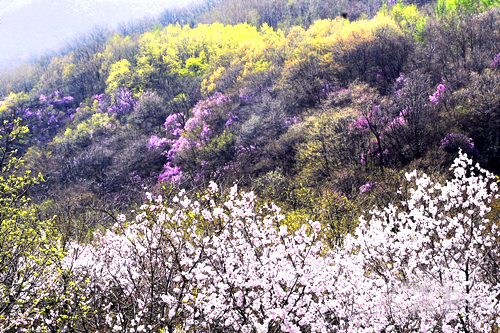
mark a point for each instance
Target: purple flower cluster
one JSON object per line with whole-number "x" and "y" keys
{"x": 374, "y": 151}
{"x": 326, "y": 89}
{"x": 401, "y": 79}
{"x": 202, "y": 111}
{"x": 290, "y": 121}
{"x": 63, "y": 101}
{"x": 52, "y": 112}
{"x": 361, "y": 123}
{"x": 103, "y": 102}
{"x": 173, "y": 123}
{"x": 56, "y": 98}
{"x": 399, "y": 84}
{"x": 177, "y": 146}
{"x": 155, "y": 142}
{"x": 53, "y": 119}
{"x": 221, "y": 172}
{"x": 172, "y": 174}
{"x": 205, "y": 132}
{"x": 204, "y": 108}
{"x": 245, "y": 149}
{"x": 124, "y": 103}
{"x": 204, "y": 123}
{"x": 101, "y": 99}
{"x": 230, "y": 119}
{"x": 452, "y": 142}
{"x": 496, "y": 61}
{"x": 398, "y": 121}
{"x": 134, "y": 177}
{"x": 245, "y": 96}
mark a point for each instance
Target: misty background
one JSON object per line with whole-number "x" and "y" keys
{"x": 31, "y": 28}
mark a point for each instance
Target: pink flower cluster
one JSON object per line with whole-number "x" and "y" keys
{"x": 438, "y": 94}
{"x": 188, "y": 135}
{"x": 203, "y": 109}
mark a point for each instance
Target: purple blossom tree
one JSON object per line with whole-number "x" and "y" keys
{"x": 453, "y": 142}
{"x": 123, "y": 103}
{"x": 52, "y": 112}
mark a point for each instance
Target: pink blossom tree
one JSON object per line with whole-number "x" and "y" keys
{"x": 223, "y": 263}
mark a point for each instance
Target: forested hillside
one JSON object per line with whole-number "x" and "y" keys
{"x": 258, "y": 166}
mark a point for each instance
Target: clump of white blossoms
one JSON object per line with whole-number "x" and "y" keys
{"x": 433, "y": 260}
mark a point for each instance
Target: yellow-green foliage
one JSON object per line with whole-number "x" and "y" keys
{"x": 69, "y": 70}
{"x": 327, "y": 40}
{"x": 337, "y": 213}
{"x": 259, "y": 54}
{"x": 408, "y": 19}
{"x": 116, "y": 60}
{"x": 444, "y": 7}
{"x": 61, "y": 70}
{"x": 221, "y": 142}
{"x": 83, "y": 132}
{"x": 207, "y": 50}
{"x": 187, "y": 51}
{"x": 13, "y": 102}
{"x": 241, "y": 54}
{"x": 118, "y": 48}
{"x": 209, "y": 84}
{"x": 120, "y": 75}
{"x": 28, "y": 247}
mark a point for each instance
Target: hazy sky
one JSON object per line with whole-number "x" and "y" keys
{"x": 147, "y": 6}
{"x": 34, "y": 27}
